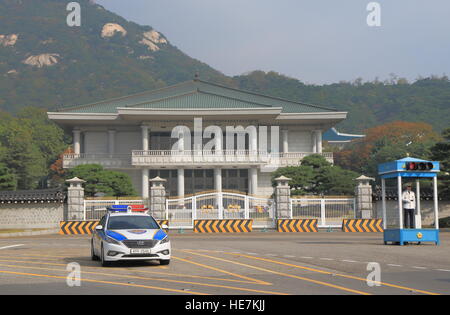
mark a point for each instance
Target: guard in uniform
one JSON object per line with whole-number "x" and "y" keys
{"x": 409, "y": 207}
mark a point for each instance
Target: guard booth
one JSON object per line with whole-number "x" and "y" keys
{"x": 412, "y": 169}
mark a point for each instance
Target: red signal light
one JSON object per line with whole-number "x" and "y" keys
{"x": 422, "y": 166}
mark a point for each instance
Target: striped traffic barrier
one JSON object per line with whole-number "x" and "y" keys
{"x": 77, "y": 227}
{"x": 223, "y": 226}
{"x": 86, "y": 227}
{"x": 362, "y": 225}
{"x": 297, "y": 225}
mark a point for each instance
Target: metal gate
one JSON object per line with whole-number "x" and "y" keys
{"x": 94, "y": 210}
{"x": 181, "y": 213}
{"x": 329, "y": 212}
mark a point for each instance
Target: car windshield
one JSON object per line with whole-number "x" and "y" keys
{"x": 131, "y": 222}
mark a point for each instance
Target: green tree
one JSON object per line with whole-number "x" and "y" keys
{"x": 99, "y": 180}
{"x": 316, "y": 175}
{"x": 8, "y": 180}
{"x": 47, "y": 136}
{"x": 21, "y": 154}
{"x": 441, "y": 152}
{"x": 29, "y": 144}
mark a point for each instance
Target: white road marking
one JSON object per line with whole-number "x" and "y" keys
{"x": 445, "y": 270}
{"x": 415, "y": 267}
{"x": 307, "y": 257}
{"x": 10, "y": 246}
{"x": 349, "y": 261}
{"x": 289, "y": 256}
{"x": 392, "y": 265}
{"x": 271, "y": 255}
{"x": 329, "y": 259}
{"x": 252, "y": 254}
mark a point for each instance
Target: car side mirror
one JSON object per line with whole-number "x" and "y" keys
{"x": 99, "y": 227}
{"x": 165, "y": 227}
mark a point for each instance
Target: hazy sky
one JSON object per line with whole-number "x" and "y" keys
{"x": 316, "y": 41}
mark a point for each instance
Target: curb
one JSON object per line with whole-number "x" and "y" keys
{"x": 30, "y": 233}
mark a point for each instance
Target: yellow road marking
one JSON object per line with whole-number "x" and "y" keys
{"x": 104, "y": 282}
{"x": 334, "y": 274}
{"x": 256, "y": 281}
{"x": 153, "y": 279}
{"x": 284, "y": 274}
{"x": 134, "y": 270}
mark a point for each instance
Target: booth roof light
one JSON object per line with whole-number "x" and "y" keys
{"x": 419, "y": 166}
{"x": 127, "y": 208}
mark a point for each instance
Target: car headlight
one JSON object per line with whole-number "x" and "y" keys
{"x": 111, "y": 240}
{"x": 164, "y": 240}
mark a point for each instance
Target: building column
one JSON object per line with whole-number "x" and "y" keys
{"x": 253, "y": 181}
{"x": 145, "y": 181}
{"x": 76, "y": 141}
{"x": 111, "y": 141}
{"x": 319, "y": 141}
{"x": 218, "y": 179}
{"x": 181, "y": 182}
{"x": 314, "y": 141}
{"x": 145, "y": 140}
{"x": 285, "y": 135}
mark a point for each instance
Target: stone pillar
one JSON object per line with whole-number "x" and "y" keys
{"x": 283, "y": 198}
{"x": 158, "y": 198}
{"x": 145, "y": 174}
{"x": 363, "y": 195}
{"x": 75, "y": 199}
{"x": 76, "y": 141}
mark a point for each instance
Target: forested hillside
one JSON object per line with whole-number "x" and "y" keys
{"x": 369, "y": 103}
{"x": 45, "y": 63}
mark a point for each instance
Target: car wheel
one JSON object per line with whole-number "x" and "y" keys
{"x": 93, "y": 256}
{"x": 104, "y": 262}
{"x": 164, "y": 262}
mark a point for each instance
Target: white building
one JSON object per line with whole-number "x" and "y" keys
{"x": 132, "y": 134}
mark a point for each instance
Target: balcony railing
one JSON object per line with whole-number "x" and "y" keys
{"x": 224, "y": 157}
{"x": 167, "y": 158}
{"x": 106, "y": 160}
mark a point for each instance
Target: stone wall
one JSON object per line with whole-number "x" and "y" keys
{"x": 31, "y": 215}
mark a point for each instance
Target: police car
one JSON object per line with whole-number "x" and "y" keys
{"x": 128, "y": 233}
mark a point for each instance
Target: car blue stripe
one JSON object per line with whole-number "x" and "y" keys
{"x": 160, "y": 235}
{"x": 116, "y": 236}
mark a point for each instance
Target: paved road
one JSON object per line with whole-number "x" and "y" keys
{"x": 251, "y": 264}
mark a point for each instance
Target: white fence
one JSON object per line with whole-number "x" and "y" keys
{"x": 329, "y": 212}
{"x": 181, "y": 213}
